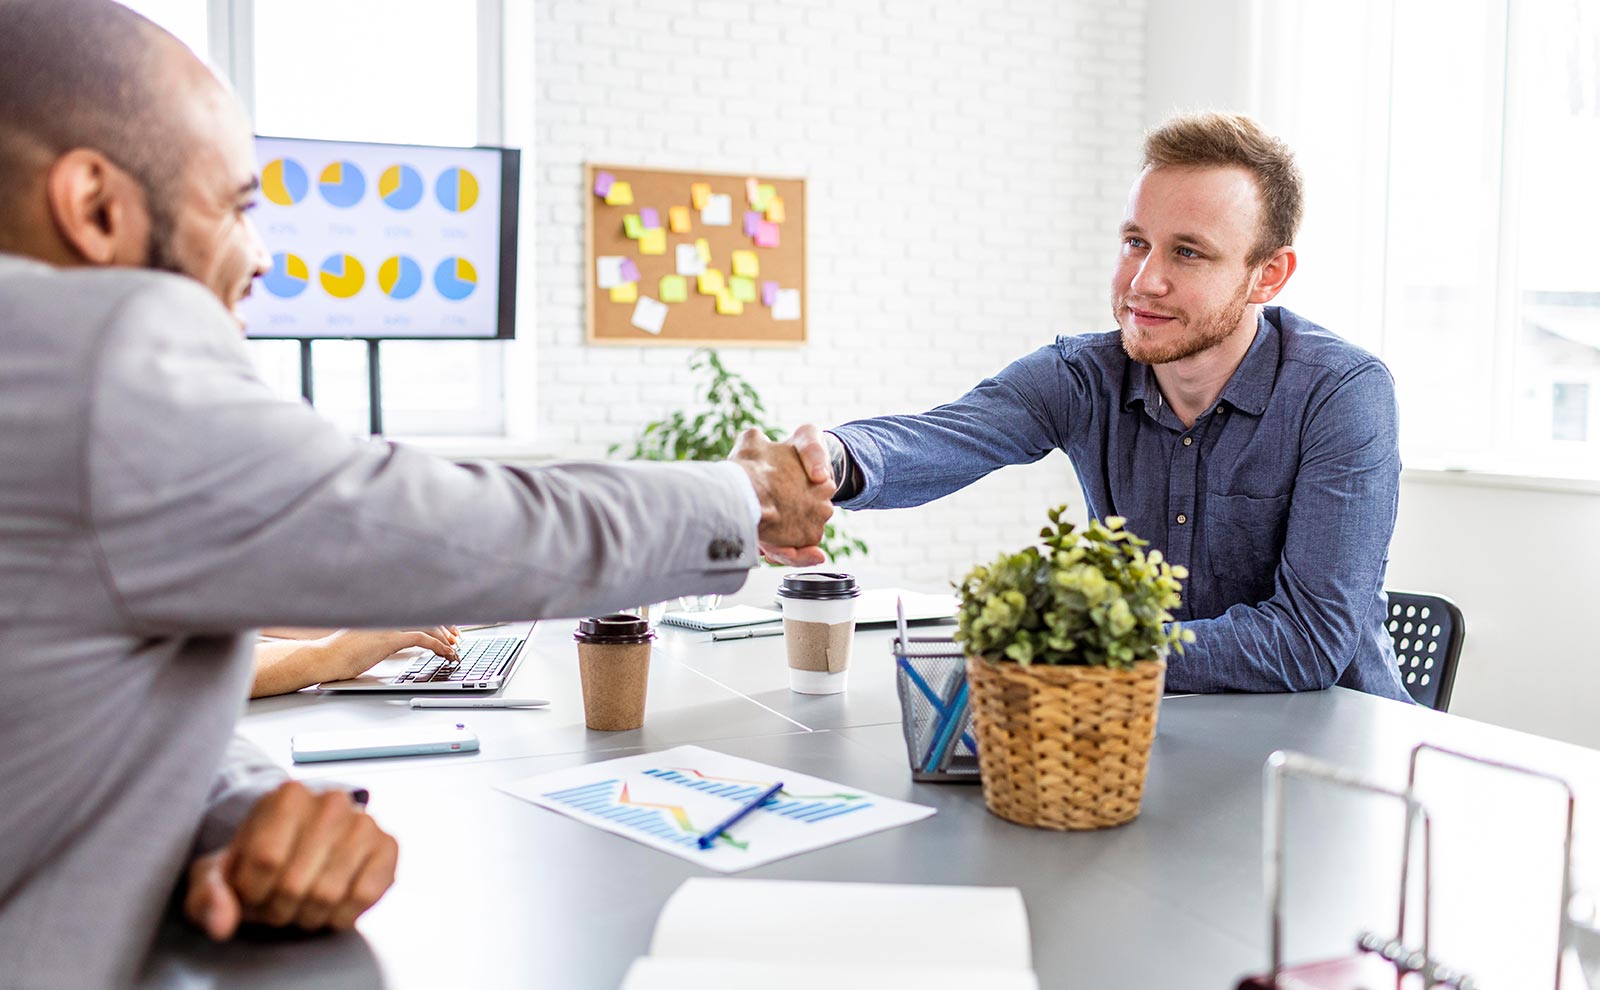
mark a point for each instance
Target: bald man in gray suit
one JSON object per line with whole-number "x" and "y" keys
{"x": 157, "y": 502}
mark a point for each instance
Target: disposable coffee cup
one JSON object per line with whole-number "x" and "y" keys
{"x": 819, "y": 625}
{"x": 614, "y": 665}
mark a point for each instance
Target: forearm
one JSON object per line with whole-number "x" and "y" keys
{"x": 283, "y": 667}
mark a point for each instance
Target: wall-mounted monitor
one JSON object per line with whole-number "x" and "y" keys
{"x": 385, "y": 241}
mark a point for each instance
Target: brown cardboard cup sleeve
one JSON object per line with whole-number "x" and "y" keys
{"x": 818, "y": 646}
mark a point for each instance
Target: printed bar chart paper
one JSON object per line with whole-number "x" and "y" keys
{"x": 668, "y": 799}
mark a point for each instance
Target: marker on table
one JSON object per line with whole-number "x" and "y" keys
{"x": 760, "y": 799}
{"x": 719, "y": 636}
{"x": 478, "y": 703}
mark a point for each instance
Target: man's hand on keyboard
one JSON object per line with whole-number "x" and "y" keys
{"x": 290, "y": 666}
{"x": 304, "y": 859}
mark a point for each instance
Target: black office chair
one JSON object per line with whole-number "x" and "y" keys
{"x": 1427, "y": 631}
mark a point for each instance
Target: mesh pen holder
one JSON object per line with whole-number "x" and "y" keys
{"x": 935, "y": 711}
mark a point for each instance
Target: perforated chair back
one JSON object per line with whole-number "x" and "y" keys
{"x": 1427, "y": 631}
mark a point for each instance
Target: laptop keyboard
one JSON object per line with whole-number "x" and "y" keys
{"x": 481, "y": 660}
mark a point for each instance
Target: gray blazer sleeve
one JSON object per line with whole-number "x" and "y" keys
{"x": 218, "y": 506}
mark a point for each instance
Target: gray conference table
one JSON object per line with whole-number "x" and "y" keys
{"x": 494, "y": 892}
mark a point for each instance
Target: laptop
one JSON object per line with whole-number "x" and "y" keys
{"x": 486, "y": 663}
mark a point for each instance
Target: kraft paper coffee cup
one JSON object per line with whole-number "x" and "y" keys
{"x": 614, "y": 666}
{"x": 819, "y": 625}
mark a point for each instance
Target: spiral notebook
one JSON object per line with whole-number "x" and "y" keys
{"x": 722, "y": 618}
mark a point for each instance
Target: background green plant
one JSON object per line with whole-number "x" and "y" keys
{"x": 731, "y": 406}
{"x": 1093, "y": 598}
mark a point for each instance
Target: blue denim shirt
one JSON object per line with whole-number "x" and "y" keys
{"x": 1280, "y": 500}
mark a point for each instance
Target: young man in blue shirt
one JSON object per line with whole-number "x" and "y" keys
{"x": 1245, "y": 442}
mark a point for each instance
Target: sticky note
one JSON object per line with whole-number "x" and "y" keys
{"x": 649, "y": 315}
{"x": 751, "y": 220}
{"x": 674, "y": 288}
{"x": 718, "y": 211}
{"x": 769, "y": 293}
{"x": 699, "y": 193}
{"x": 710, "y": 282}
{"x": 750, "y": 191}
{"x": 766, "y": 234}
{"x": 650, "y": 218}
{"x": 746, "y": 264}
{"x": 787, "y": 305}
{"x": 704, "y": 249}
{"x": 603, "y": 182}
{"x": 608, "y": 270}
{"x": 727, "y": 305}
{"x": 678, "y": 219}
{"x": 742, "y": 289}
{"x": 620, "y": 194}
{"x": 775, "y": 209}
{"x": 632, "y": 226}
{"x": 630, "y": 271}
{"x": 689, "y": 262}
{"x": 653, "y": 241}
{"x": 764, "y": 196}
{"x": 625, "y": 293}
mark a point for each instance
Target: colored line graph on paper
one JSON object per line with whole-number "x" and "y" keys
{"x": 808, "y": 808}
{"x": 602, "y": 800}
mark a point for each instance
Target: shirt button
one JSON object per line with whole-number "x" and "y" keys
{"x": 1182, "y": 519}
{"x": 1187, "y": 441}
{"x": 1221, "y": 410}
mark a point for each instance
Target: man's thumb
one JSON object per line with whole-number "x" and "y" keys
{"x": 211, "y": 903}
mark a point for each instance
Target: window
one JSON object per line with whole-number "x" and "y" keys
{"x": 1449, "y": 208}
{"x": 349, "y": 69}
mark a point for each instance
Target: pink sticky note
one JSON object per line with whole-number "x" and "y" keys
{"x": 769, "y": 293}
{"x": 650, "y": 218}
{"x": 766, "y": 234}
{"x": 751, "y": 218}
{"x": 602, "y": 183}
{"x": 630, "y": 271}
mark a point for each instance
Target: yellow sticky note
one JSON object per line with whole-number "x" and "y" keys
{"x": 710, "y": 282}
{"x": 742, "y": 289}
{"x": 678, "y": 219}
{"x": 764, "y": 194}
{"x": 620, "y": 194}
{"x": 701, "y": 246}
{"x": 699, "y": 193}
{"x": 775, "y": 209}
{"x": 632, "y": 226}
{"x": 653, "y": 241}
{"x": 674, "y": 288}
{"x": 727, "y": 305}
{"x": 746, "y": 264}
{"x": 627, "y": 292}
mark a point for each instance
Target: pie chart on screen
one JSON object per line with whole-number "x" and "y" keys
{"x": 400, "y": 277}
{"x": 342, "y": 276}
{"x": 455, "y": 278}
{"x": 342, "y": 184}
{"x": 284, "y": 181}
{"x": 289, "y": 276}
{"x": 400, "y": 187}
{"x": 457, "y": 190}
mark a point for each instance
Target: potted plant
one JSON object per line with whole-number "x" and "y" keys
{"x": 1066, "y": 647}
{"x": 731, "y": 405}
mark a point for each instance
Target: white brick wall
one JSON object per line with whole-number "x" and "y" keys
{"x": 966, "y": 164}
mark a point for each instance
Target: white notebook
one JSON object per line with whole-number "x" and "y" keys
{"x": 722, "y": 618}
{"x": 719, "y": 934}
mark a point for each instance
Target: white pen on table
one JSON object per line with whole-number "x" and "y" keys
{"x": 718, "y": 637}
{"x": 478, "y": 703}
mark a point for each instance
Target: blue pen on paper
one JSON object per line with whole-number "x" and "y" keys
{"x": 760, "y": 799}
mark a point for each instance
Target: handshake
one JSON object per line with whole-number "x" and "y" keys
{"x": 794, "y": 481}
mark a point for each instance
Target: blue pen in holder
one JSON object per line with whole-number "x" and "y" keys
{"x": 931, "y": 676}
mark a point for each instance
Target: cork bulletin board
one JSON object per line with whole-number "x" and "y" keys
{"x": 691, "y": 258}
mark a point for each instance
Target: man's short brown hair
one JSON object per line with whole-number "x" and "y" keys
{"x": 1214, "y": 140}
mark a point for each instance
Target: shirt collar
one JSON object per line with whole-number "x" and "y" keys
{"x": 1247, "y": 390}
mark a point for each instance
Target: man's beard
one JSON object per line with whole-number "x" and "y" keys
{"x": 1190, "y": 340}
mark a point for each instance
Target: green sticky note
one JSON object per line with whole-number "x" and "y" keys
{"x": 764, "y": 196}
{"x": 632, "y": 225}
{"x": 674, "y": 288}
{"x": 743, "y": 289}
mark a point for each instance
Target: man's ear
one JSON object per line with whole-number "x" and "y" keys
{"x": 1275, "y": 272}
{"x": 98, "y": 208}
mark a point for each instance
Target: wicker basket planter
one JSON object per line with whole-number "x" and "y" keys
{"x": 1064, "y": 747}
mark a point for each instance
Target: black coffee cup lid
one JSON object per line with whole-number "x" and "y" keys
{"x": 819, "y": 586}
{"x": 618, "y": 628}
